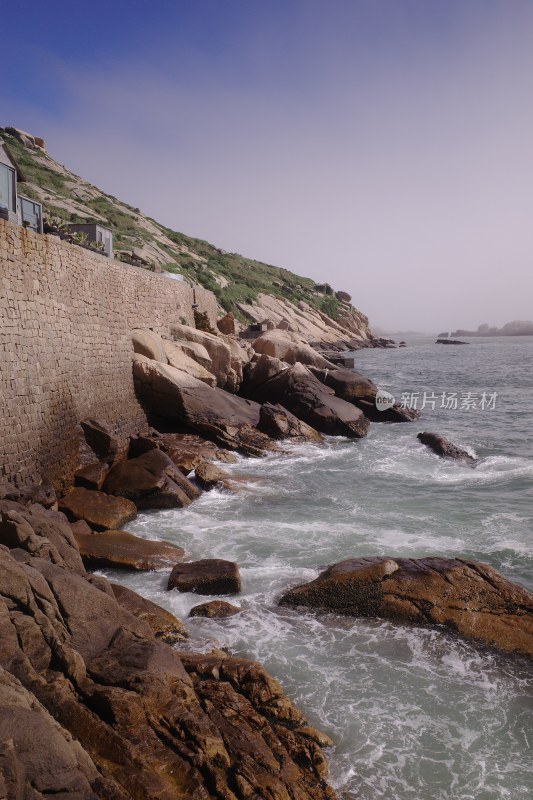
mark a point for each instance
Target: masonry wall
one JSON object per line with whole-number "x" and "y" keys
{"x": 66, "y": 317}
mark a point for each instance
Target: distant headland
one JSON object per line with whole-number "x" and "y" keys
{"x": 516, "y": 328}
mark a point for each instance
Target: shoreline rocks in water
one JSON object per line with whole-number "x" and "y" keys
{"x": 95, "y": 705}
{"x": 215, "y": 609}
{"x": 469, "y": 598}
{"x": 207, "y": 576}
{"x": 444, "y": 448}
{"x": 123, "y": 550}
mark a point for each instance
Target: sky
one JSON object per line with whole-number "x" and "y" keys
{"x": 384, "y": 146}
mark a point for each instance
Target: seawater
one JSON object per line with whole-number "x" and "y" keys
{"x": 414, "y": 713}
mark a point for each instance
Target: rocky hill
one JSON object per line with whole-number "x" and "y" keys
{"x": 250, "y": 289}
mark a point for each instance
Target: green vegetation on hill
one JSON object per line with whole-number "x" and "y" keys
{"x": 231, "y": 277}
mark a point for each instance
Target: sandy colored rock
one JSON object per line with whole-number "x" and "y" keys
{"x": 125, "y": 551}
{"x": 100, "y": 511}
{"x": 151, "y": 480}
{"x": 207, "y": 576}
{"x": 217, "y": 348}
{"x": 196, "y": 351}
{"x": 149, "y": 344}
{"x": 471, "y": 599}
{"x": 288, "y": 347}
{"x": 179, "y": 359}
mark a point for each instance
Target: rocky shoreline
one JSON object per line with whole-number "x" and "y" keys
{"x": 102, "y": 676}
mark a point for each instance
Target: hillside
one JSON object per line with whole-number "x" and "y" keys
{"x": 250, "y": 289}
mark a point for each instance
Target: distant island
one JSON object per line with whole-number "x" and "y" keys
{"x": 516, "y": 328}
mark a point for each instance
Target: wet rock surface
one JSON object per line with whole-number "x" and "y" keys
{"x": 215, "y": 609}
{"x": 471, "y": 599}
{"x": 123, "y": 550}
{"x": 207, "y": 576}
{"x": 116, "y": 712}
{"x": 444, "y": 448}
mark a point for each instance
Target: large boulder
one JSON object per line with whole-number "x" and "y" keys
{"x": 288, "y": 347}
{"x": 181, "y": 360}
{"x": 92, "y": 476}
{"x": 209, "y": 476}
{"x": 215, "y": 609}
{"x": 100, "y": 511}
{"x": 151, "y": 480}
{"x": 217, "y": 348}
{"x": 207, "y": 576}
{"x": 149, "y": 344}
{"x": 229, "y": 420}
{"x": 444, "y": 448}
{"x": 196, "y": 351}
{"x": 123, "y": 550}
{"x": 470, "y": 598}
{"x": 300, "y": 392}
{"x": 355, "y": 388}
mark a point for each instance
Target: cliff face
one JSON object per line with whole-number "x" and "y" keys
{"x": 250, "y": 289}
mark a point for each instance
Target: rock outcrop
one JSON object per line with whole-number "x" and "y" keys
{"x": 469, "y": 598}
{"x": 123, "y": 550}
{"x": 215, "y": 609}
{"x": 179, "y": 359}
{"x": 444, "y": 448}
{"x": 278, "y": 423}
{"x": 288, "y": 347}
{"x": 207, "y": 576}
{"x": 94, "y": 705}
{"x": 218, "y": 350}
{"x": 300, "y": 392}
{"x": 229, "y": 420}
{"x": 151, "y": 480}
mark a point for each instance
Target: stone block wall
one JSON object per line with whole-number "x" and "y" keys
{"x": 66, "y": 317}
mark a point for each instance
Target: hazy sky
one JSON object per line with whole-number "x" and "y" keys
{"x": 384, "y": 146}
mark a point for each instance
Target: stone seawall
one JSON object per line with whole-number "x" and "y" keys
{"x": 66, "y": 317}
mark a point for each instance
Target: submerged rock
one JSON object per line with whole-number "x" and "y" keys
{"x": 215, "y": 609}
{"x": 123, "y": 550}
{"x": 209, "y": 476}
{"x": 207, "y": 576}
{"x": 444, "y": 448}
{"x": 470, "y": 598}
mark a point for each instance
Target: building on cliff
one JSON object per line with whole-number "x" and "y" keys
{"x": 15, "y": 207}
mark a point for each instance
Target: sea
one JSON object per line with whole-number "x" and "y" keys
{"x": 415, "y": 713}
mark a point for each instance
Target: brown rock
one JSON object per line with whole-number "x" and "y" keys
{"x": 100, "y": 439}
{"x": 185, "y": 450}
{"x": 215, "y": 609}
{"x": 129, "y": 721}
{"x": 227, "y": 324}
{"x": 288, "y": 347}
{"x": 300, "y": 392}
{"x": 151, "y": 480}
{"x": 208, "y": 576}
{"x": 100, "y": 511}
{"x": 163, "y": 624}
{"x": 278, "y": 423}
{"x": 214, "y": 413}
{"x": 444, "y": 448}
{"x": 149, "y": 344}
{"x": 209, "y": 476}
{"x": 470, "y": 598}
{"x": 125, "y": 551}
{"x": 91, "y": 476}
